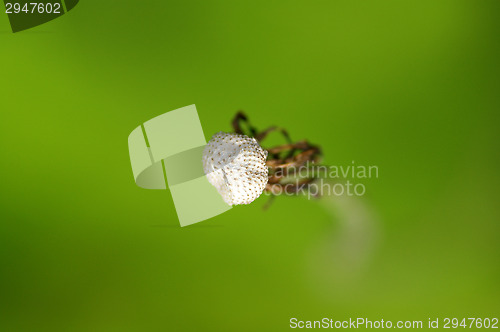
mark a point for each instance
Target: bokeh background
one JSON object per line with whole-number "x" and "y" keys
{"x": 410, "y": 87}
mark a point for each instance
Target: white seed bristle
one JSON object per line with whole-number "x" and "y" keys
{"x": 236, "y": 166}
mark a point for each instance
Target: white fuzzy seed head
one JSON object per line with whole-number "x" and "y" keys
{"x": 236, "y": 166}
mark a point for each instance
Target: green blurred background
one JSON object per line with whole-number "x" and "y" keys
{"x": 410, "y": 87}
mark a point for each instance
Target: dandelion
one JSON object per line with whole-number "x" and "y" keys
{"x": 236, "y": 166}
{"x": 240, "y": 169}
